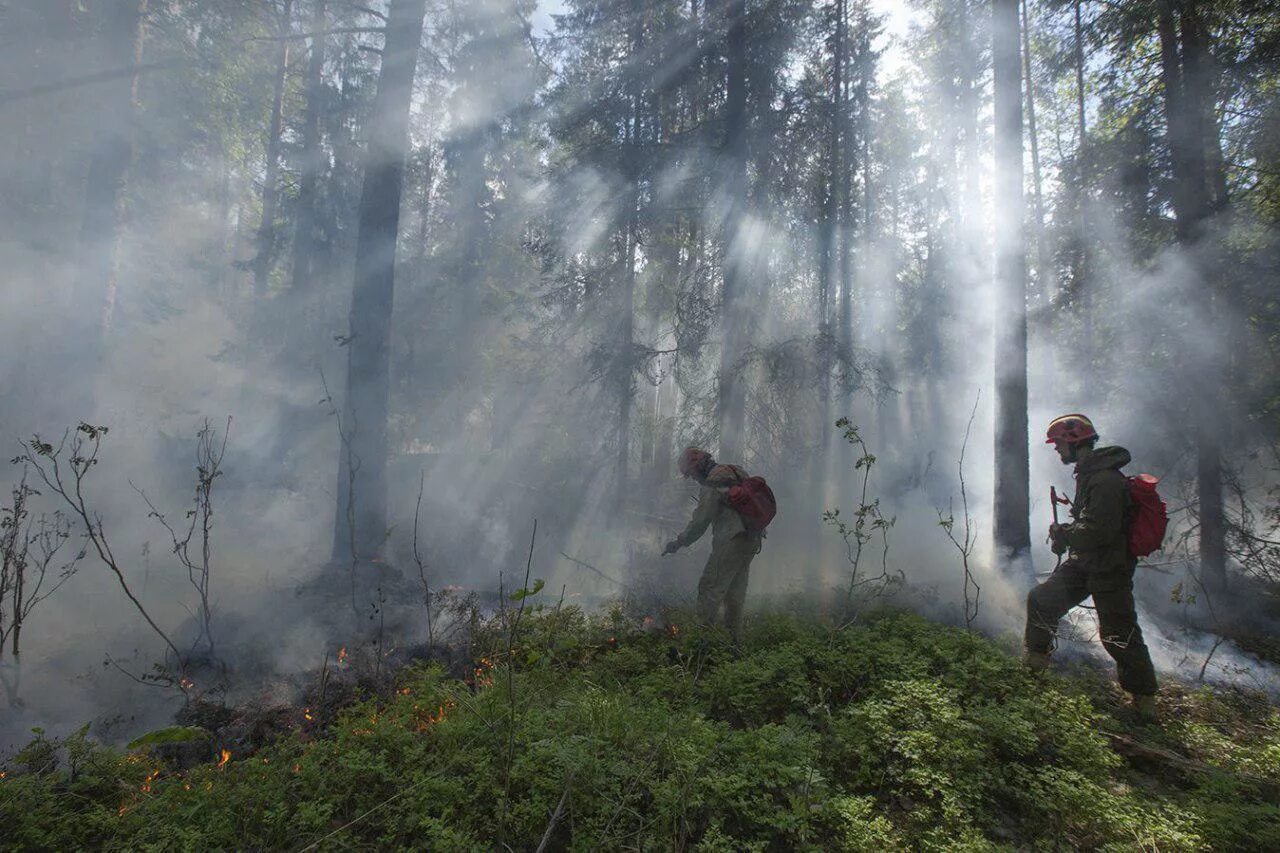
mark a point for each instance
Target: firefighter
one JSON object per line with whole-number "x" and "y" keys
{"x": 733, "y": 544}
{"x": 1098, "y": 563}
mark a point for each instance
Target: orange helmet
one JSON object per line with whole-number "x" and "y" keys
{"x": 693, "y": 459}
{"x": 1073, "y": 429}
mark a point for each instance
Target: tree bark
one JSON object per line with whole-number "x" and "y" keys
{"x": 831, "y": 261}
{"x": 363, "y": 492}
{"x": 731, "y": 401}
{"x": 1184, "y": 72}
{"x": 1080, "y": 246}
{"x": 271, "y": 178}
{"x": 1043, "y": 273}
{"x": 306, "y": 222}
{"x": 1012, "y": 498}
{"x": 1198, "y": 99}
{"x": 122, "y": 37}
{"x": 626, "y": 301}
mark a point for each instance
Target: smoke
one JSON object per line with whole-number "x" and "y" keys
{"x": 505, "y": 370}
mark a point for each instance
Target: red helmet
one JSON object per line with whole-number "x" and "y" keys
{"x": 692, "y": 459}
{"x": 1072, "y": 429}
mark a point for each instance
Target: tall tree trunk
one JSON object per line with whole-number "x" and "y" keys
{"x": 1043, "y": 274}
{"x": 271, "y": 178}
{"x": 731, "y": 401}
{"x": 848, "y": 228}
{"x": 970, "y": 106}
{"x": 306, "y": 222}
{"x": 1012, "y": 497}
{"x": 1184, "y": 67}
{"x": 1198, "y": 101}
{"x": 626, "y": 303}
{"x": 831, "y": 259}
{"x": 1080, "y": 284}
{"x": 363, "y": 491}
{"x": 122, "y": 43}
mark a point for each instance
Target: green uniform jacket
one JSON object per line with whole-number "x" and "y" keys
{"x": 1097, "y": 536}
{"x": 713, "y": 511}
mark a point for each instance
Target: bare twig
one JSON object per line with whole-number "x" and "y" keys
{"x": 209, "y": 455}
{"x": 523, "y": 595}
{"x": 85, "y": 446}
{"x": 965, "y": 543}
{"x": 868, "y": 522}
{"x": 590, "y": 568}
{"x": 29, "y": 545}
{"x": 422, "y": 568}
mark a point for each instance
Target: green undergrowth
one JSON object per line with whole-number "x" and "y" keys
{"x": 892, "y": 734}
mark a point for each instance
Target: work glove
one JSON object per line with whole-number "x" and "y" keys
{"x": 672, "y": 547}
{"x": 1058, "y": 538}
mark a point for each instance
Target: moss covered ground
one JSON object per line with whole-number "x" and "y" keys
{"x": 586, "y": 732}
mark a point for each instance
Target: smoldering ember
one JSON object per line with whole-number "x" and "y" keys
{"x": 640, "y": 424}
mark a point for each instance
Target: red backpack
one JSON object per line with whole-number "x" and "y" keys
{"x": 1148, "y": 516}
{"x": 754, "y": 501}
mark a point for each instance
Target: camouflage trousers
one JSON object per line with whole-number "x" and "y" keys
{"x": 1112, "y": 593}
{"x": 724, "y": 581}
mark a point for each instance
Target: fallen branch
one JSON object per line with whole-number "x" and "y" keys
{"x": 1132, "y": 748}
{"x": 555, "y": 816}
{"x": 590, "y": 568}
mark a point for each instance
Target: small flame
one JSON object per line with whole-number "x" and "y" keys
{"x": 675, "y": 630}
{"x": 483, "y": 674}
{"x": 226, "y": 756}
{"x": 123, "y": 808}
{"x": 613, "y": 640}
{"x": 186, "y": 786}
{"x": 306, "y": 713}
{"x": 342, "y": 655}
{"x": 425, "y": 722}
{"x": 404, "y": 691}
{"x": 151, "y": 777}
{"x": 297, "y": 768}
{"x": 186, "y": 683}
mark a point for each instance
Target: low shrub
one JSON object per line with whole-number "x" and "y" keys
{"x": 594, "y": 733}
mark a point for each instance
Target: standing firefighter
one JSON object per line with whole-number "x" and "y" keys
{"x": 1100, "y": 562}
{"x": 737, "y": 508}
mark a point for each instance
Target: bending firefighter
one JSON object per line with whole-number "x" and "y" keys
{"x": 1099, "y": 562}
{"x": 735, "y": 539}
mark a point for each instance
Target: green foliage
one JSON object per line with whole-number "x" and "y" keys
{"x": 894, "y": 734}
{"x": 171, "y": 734}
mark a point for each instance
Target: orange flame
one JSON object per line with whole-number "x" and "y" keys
{"x": 306, "y": 713}
{"x": 342, "y": 655}
{"x": 226, "y": 756}
{"x": 297, "y": 768}
{"x": 430, "y": 719}
{"x": 151, "y": 777}
{"x": 186, "y": 683}
{"x": 483, "y": 674}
